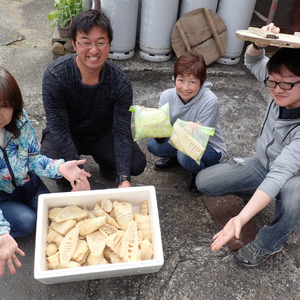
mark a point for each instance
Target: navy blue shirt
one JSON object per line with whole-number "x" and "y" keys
{"x": 289, "y": 113}
{"x": 87, "y": 112}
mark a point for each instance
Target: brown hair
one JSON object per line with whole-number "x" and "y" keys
{"x": 11, "y": 95}
{"x": 191, "y": 63}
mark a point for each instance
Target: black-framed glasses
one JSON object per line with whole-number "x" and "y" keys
{"x": 89, "y": 45}
{"x": 283, "y": 85}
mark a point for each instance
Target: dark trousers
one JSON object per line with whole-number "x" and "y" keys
{"x": 20, "y": 207}
{"x": 102, "y": 151}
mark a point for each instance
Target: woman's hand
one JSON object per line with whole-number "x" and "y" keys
{"x": 8, "y": 250}
{"x": 231, "y": 229}
{"x": 76, "y": 176}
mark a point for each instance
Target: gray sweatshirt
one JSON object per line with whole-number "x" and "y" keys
{"x": 203, "y": 108}
{"x": 278, "y": 145}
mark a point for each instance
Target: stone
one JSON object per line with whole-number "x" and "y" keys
{"x": 58, "y": 49}
{"x": 69, "y": 47}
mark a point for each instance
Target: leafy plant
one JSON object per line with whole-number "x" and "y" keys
{"x": 65, "y": 11}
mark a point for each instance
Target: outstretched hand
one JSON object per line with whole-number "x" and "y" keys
{"x": 8, "y": 250}
{"x": 258, "y": 201}
{"x": 231, "y": 229}
{"x": 76, "y": 176}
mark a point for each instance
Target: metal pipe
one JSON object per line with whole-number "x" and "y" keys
{"x": 261, "y": 16}
{"x": 272, "y": 11}
{"x": 96, "y": 5}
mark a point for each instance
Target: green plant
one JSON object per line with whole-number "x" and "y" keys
{"x": 65, "y": 11}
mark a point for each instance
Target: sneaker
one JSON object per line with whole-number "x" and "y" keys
{"x": 252, "y": 255}
{"x": 193, "y": 188}
{"x": 166, "y": 162}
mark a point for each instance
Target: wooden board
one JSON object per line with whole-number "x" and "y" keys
{"x": 222, "y": 209}
{"x": 281, "y": 40}
{"x": 203, "y": 31}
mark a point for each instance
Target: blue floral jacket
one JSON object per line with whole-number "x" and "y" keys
{"x": 21, "y": 155}
{"x": 4, "y": 225}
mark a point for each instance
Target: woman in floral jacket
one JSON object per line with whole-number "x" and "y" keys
{"x": 21, "y": 166}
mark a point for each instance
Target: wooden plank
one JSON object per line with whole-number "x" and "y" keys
{"x": 183, "y": 37}
{"x": 222, "y": 209}
{"x": 209, "y": 46}
{"x": 296, "y": 33}
{"x": 263, "y": 33}
{"x": 283, "y": 40}
{"x": 196, "y": 30}
{"x": 214, "y": 31}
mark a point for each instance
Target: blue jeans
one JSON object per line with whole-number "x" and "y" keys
{"x": 243, "y": 180}
{"x": 20, "y": 207}
{"x": 209, "y": 158}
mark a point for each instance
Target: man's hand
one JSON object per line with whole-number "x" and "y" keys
{"x": 268, "y": 28}
{"x": 231, "y": 229}
{"x": 125, "y": 184}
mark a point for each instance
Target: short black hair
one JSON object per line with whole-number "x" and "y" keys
{"x": 87, "y": 19}
{"x": 285, "y": 57}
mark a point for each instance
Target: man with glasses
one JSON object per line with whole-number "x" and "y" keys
{"x": 87, "y": 100}
{"x": 274, "y": 172}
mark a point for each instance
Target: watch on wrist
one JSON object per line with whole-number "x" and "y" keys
{"x": 257, "y": 47}
{"x": 122, "y": 178}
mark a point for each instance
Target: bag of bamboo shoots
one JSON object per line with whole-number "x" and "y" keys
{"x": 151, "y": 122}
{"x": 190, "y": 138}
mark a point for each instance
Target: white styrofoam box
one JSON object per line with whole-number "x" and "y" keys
{"x": 133, "y": 195}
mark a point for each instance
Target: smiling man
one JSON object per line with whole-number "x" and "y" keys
{"x": 274, "y": 172}
{"x": 87, "y": 100}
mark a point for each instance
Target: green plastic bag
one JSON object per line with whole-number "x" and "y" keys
{"x": 191, "y": 138}
{"x": 151, "y": 122}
